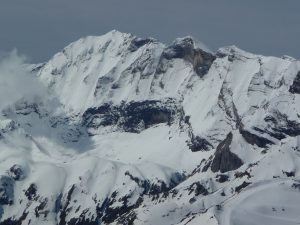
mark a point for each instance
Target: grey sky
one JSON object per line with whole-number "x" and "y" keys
{"x": 40, "y": 28}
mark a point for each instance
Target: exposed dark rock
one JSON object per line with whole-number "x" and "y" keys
{"x": 197, "y": 189}
{"x": 39, "y": 210}
{"x": 84, "y": 219}
{"x": 199, "y": 144}
{"x": 192, "y": 200}
{"x": 254, "y": 139}
{"x": 100, "y": 208}
{"x": 184, "y": 48}
{"x": 295, "y": 87}
{"x": 224, "y": 159}
{"x": 37, "y": 67}
{"x": 276, "y": 85}
{"x": 289, "y": 174}
{"x": 196, "y": 143}
{"x": 109, "y": 213}
{"x": 14, "y": 221}
{"x": 26, "y": 108}
{"x": 220, "y": 54}
{"x": 206, "y": 166}
{"x": 197, "y": 169}
{"x": 136, "y": 43}
{"x": 128, "y": 218}
{"x": 296, "y": 186}
{"x": 180, "y": 48}
{"x": 242, "y": 174}
{"x": 131, "y": 117}
{"x": 11, "y": 126}
{"x": 145, "y": 66}
{"x": 160, "y": 187}
{"x": 108, "y": 115}
{"x": 242, "y": 186}
{"x": 219, "y": 207}
{"x": 103, "y": 84}
{"x": 225, "y": 102}
{"x": 6, "y": 190}
{"x": 272, "y": 133}
{"x": 281, "y": 125}
{"x": 135, "y": 179}
{"x": 17, "y": 172}
{"x": 221, "y": 178}
{"x": 141, "y": 115}
{"x": 64, "y": 208}
{"x": 58, "y": 203}
{"x": 292, "y": 128}
{"x": 201, "y": 61}
{"x": 31, "y": 192}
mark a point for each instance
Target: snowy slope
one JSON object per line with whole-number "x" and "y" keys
{"x": 132, "y": 131}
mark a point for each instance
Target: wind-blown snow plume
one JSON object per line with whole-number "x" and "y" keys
{"x": 201, "y": 45}
{"x": 16, "y": 82}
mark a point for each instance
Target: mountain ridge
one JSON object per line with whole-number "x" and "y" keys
{"x": 132, "y": 131}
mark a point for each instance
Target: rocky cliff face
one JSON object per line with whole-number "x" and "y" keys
{"x": 136, "y": 132}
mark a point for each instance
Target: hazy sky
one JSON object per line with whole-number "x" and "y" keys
{"x": 40, "y": 28}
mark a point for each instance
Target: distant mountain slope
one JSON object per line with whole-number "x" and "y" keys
{"x": 136, "y": 132}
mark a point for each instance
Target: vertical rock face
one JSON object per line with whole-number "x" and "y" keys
{"x": 224, "y": 160}
{"x": 201, "y": 61}
{"x": 254, "y": 139}
{"x": 147, "y": 114}
{"x": 180, "y": 48}
{"x": 184, "y": 48}
{"x": 133, "y": 116}
{"x": 295, "y": 87}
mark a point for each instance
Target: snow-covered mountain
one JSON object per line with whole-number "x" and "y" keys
{"x": 132, "y": 131}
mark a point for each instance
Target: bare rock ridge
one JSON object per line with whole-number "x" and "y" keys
{"x": 295, "y": 87}
{"x": 185, "y": 48}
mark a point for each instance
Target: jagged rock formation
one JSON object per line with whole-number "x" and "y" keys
{"x": 295, "y": 87}
{"x": 224, "y": 159}
{"x": 131, "y": 117}
{"x": 132, "y": 131}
